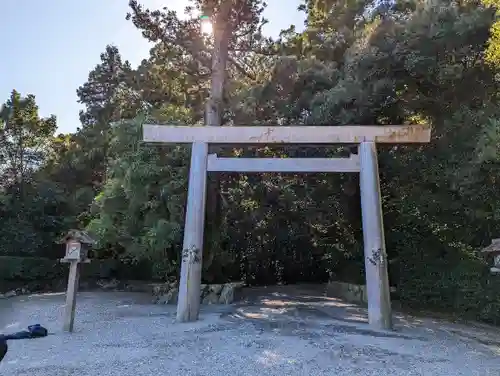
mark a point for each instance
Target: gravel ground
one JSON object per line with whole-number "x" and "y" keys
{"x": 121, "y": 334}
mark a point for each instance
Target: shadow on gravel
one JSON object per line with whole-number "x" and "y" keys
{"x": 295, "y": 310}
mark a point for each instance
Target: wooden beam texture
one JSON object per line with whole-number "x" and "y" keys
{"x": 394, "y": 134}
{"x": 216, "y": 164}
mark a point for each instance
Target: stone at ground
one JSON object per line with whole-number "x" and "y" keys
{"x": 168, "y": 297}
{"x": 277, "y": 331}
{"x": 108, "y": 284}
{"x": 160, "y": 288}
{"x": 137, "y": 286}
{"x": 167, "y": 293}
{"x": 227, "y": 295}
{"x": 211, "y": 298}
{"x": 216, "y": 288}
{"x": 10, "y": 294}
{"x": 164, "y": 293}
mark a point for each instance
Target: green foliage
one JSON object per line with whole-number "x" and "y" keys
{"x": 493, "y": 50}
{"x": 29, "y": 268}
{"x": 459, "y": 282}
{"x": 32, "y": 210}
{"x": 24, "y": 139}
{"x": 488, "y": 148}
{"x": 41, "y": 269}
{"x": 141, "y": 208}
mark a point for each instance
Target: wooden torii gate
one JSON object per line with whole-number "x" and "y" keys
{"x": 365, "y": 162}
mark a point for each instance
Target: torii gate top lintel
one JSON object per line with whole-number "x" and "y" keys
{"x": 351, "y": 134}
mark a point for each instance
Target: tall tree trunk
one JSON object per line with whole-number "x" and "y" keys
{"x": 213, "y": 116}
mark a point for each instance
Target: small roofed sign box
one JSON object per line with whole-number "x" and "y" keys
{"x": 74, "y": 251}
{"x": 78, "y": 243}
{"x": 493, "y": 251}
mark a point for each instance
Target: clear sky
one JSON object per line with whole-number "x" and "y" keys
{"x": 49, "y": 47}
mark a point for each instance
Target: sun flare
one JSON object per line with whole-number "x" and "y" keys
{"x": 206, "y": 27}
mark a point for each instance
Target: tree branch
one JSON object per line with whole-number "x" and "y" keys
{"x": 240, "y": 69}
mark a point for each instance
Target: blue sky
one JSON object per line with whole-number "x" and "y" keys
{"x": 49, "y": 47}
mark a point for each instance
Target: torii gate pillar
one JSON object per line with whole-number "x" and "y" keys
{"x": 188, "y": 304}
{"x": 377, "y": 278}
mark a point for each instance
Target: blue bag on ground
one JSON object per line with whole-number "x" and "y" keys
{"x": 34, "y": 331}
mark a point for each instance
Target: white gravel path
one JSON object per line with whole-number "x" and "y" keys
{"x": 121, "y": 334}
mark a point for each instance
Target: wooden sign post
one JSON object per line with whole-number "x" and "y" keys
{"x": 366, "y": 163}
{"x": 77, "y": 247}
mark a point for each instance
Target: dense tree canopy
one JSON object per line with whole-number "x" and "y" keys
{"x": 356, "y": 62}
